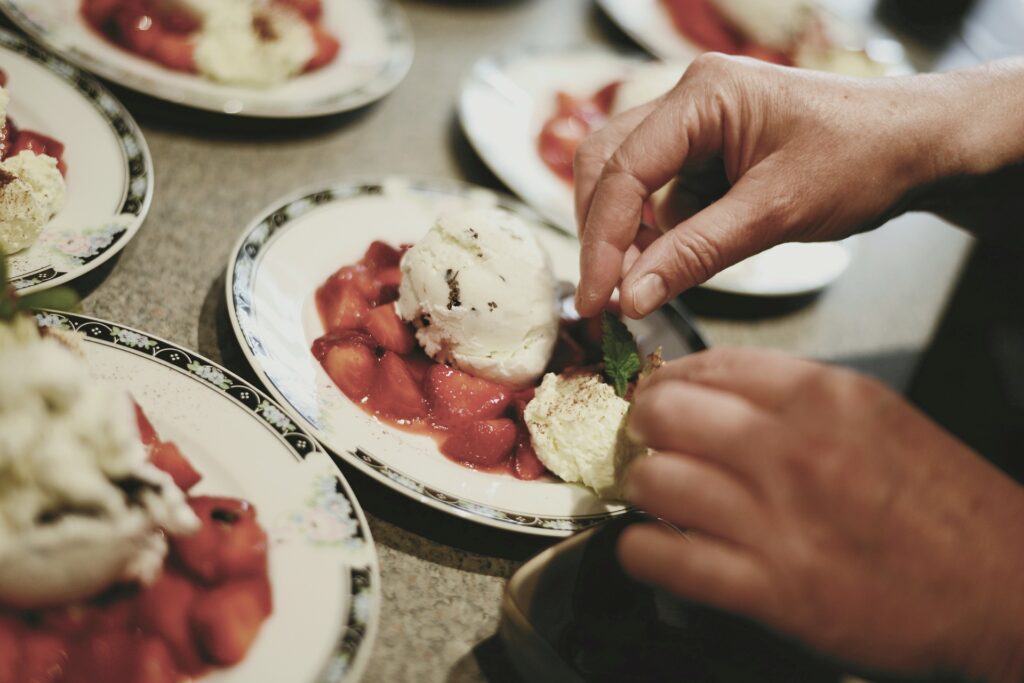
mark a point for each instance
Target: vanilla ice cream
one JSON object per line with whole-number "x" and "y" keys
{"x": 647, "y": 82}
{"x": 577, "y": 426}
{"x": 81, "y": 507}
{"x": 480, "y": 290}
{"x": 251, "y": 42}
{"x": 31, "y": 193}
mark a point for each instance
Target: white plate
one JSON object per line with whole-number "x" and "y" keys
{"x": 649, "y": 23}
{"x": 109, "y": 170}
{"x": 323, "y": 566}
{"x": 273, "y": 274}
{"x": 503, "y": 104}
{"x": 376, "y": 53}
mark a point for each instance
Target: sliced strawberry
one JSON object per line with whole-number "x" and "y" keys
{"x": 604, "y": 97}
{"x": 154, "y": 663}
{"x": 166, "y": 456}
{"x": 107, "y": 657}
{"x": 702, "y": 23}
{"x": 527, "y": 465}
{"x": 362, "y": 278}
{"x": 380, "y": 255}
{"x": 10, "y": 650}
{"x": 397, "y": 394}
{"x": 226, "y": 621}
{"x": 457, "y": 397}
{"x": 230, "y": 543}
{"x": 164, "y": 611}
{"x": 137, "y": 28}
{"x": 44, "y": 657}
{"x": 115, "y": 611}
{"x": 37, "y": 143}
{"x": 326, "y": 48}
{"x": 70, "y": 620}
{"x": 147, "y": 433}
{"x": 419, "y": 365}
{"x": 176, "y": 52}
{"x": 352, "y": 365}
{"x": 342, "y": 307}
{"x": 390, "y": 277}
{"x": 99, "y": 12}
{"x": 389, "y": 330}
{"x": 487, "y": 442}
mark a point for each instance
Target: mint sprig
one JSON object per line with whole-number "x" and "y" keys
{"x": 59, "y": 298}
{"x": 621, "y": 355}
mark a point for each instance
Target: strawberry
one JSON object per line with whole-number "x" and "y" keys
{"x": 154, "y": 663}
{"x": 380, "y": 255}
{"x": 107, "y": 657}
{"x": 390, "y": 277}
{"x": 226, "y": 621}
{"x": 362, "y": 278}
{"x": 341, "y": 307}
{"x": 147, "y": 434}
{"x": 527, "y": 465}
{"x": 43, "y": 657}
{"x": 352, "y": 365}
{"x": 397, "y": 394}
{"x": 605, "y": 97}
{"x": 166, "y": 456}
{"x": 164, "y": 610}
{"x": 486, "y": 442}
{"x": 99, "y": 12}
{"x": 38, "y": 143}
{"x": 457, "y": 398}
{"x": 230, "y": 543}
{"x": 10, "y": 650}
{"x": 326, "y": 48}
{"x": 389, "y": 330}
{"x": 567, "y": 354}
{"x": 176, "y": 52}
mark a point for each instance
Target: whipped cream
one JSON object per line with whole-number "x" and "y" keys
{"x": 81, "y": 507}
{"x": 577, "y": 426}
{"x": 251, "y": 42}
{"x": 480, "y": 290}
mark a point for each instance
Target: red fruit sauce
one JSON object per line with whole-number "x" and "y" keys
{"x": 372, "y": 356}
{"x": 701, "y": 22}
{"x": 203, "y": 612}
{"x": 163, "y": 31}
{"x": 13, "y": 140}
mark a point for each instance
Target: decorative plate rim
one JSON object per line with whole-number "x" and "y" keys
{"x": 249, "y": 248}
{"x": 360, "y": 629}
{"x": 401, "y": 48}
{"x": 137, "y": 196}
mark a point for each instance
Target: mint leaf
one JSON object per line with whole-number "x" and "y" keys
{"x": 621, "y": 356}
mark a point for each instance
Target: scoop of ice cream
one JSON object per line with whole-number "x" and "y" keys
{"x": 647, "y": 82}
{"x": 577, "y": 426}
{"x": 80, "y": 505}
{"x": 775, "y": 24}
{"x": 31, "y": 193}
{"x": 252, "y": 43}
{"x": 480, "y": 290}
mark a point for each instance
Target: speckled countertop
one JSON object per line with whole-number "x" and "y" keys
{"x": 442, "y": 578}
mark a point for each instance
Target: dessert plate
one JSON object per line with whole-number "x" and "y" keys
{"x": 273, "y": 274}
{"x": 376, "y": 54}
{"x": 323, "y": 566}
{"x": 110, "y": 173}
{"x": 649, "y": 23}
{"x": 506, "y": 99}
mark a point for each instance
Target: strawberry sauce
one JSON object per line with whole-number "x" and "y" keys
{"x": 14, "y": 140}
{"x": 203, "y": 612}
{"x": 372, "y": 356}
{"x": 701, "y": 22}
{"x": 164, "y": 31}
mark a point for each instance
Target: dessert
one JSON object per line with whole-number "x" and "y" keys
{"x": 789, "y": 32}
{"x": 31, "y": 180}
{"x": 479, "y": 290}
{"x": 255, "y": 43}
{"x": 471, "y": 380}
{"x": 110, "y": 569}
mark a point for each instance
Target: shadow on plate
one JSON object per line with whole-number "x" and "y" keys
{"x": 610, "y": 32}
{"x": 86, "y": 284}
{"x": 727, "y": 306}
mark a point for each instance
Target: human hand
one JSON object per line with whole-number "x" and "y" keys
{"x": 823, "y": 505}
{"x": 765, "y": 154}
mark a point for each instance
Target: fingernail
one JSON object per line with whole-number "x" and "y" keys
{"x": 648, "y": 293}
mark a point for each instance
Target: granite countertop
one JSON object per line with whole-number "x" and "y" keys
{"x": 443, "y": 578}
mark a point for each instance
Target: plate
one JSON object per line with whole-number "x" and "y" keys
{"x": 376, "y": 54}
{"x": 649, "y": 23}
{"x": 503, "y": 104}
{"x": 109, "y": 176}
{"x": 273, "y": 274}
{"x": 323, "y": 566}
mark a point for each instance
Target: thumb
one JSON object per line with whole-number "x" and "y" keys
{"x": 726, "y": 232}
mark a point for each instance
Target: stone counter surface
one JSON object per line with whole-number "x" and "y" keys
{"x": 443, "y": 579}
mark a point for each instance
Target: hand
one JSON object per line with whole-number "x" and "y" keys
{"x": 825, "y": 506}
{"x": 765, "y": 155}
